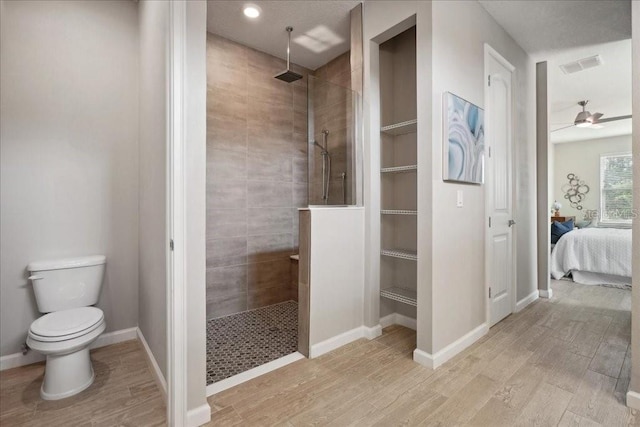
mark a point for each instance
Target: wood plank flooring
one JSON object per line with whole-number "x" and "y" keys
{"x": 564, "y": 361}
{"x": 123, "y": 394}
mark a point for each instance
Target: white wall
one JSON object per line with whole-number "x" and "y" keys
{"x": 460, "y": 30}
{"x": 68, "y": 151}
{"x": 582, "y": 158}
{"x": 336, "y": 272}
{"x": 152, "y": 321}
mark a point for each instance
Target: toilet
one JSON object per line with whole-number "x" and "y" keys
{"x": 66, "y": 290}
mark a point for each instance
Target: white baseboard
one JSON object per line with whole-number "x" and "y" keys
{"x": 546, "y": 293}
{"x": 18, "y": 359}
{"x": 199, "y": 416}
{"x": 520, "y": 305}
{"x": 447, "y": 353}
{"x": 633, "y": 400}
{"x": 338, "y": 341}
{"x": 372, "y": 333}
{"x": 252, "y": 373}
{"x": 155, "y": 369}
{"x": 398, "y": 319}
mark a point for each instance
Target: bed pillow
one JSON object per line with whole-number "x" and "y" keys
{"x": 558, "y": 229}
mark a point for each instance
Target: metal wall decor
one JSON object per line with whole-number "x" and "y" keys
{"x": 575, "y": 191}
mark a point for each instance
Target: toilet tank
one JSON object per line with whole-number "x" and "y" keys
{"x": 67, "y": 283}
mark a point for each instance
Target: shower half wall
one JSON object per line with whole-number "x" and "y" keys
{"x": 256, "y": 177}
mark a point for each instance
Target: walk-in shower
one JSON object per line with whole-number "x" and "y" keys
{"x": 277, "y": 141}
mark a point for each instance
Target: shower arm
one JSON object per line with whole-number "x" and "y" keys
{"x": 289, "y": 30}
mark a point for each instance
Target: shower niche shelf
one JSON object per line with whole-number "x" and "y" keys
{"x": 402, "y": 295}
{"x": 401, "y": 128}
{"x": 400, "y": 169}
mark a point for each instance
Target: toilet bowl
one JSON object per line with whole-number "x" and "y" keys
{"x": 64, "y": 337}
{"x": 66, "y": 291}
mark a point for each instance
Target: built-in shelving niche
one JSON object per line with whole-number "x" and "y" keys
{"x": 398, "y": 176}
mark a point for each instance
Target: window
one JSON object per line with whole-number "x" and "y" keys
{"x": 616, "y": 189}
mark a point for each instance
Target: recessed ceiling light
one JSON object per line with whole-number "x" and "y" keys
{"x": 251, "y": 11}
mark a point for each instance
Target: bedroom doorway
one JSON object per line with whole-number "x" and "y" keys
{"x": 589, "y": 166}
{"x": 499, "y": 241}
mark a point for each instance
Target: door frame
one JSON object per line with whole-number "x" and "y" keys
{"x": 176, "y": 220}
{"x": 490, "y": 52}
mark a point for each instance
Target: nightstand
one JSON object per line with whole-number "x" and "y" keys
{"x": 563, "y": 218}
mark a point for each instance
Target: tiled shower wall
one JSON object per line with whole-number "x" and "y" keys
{"x": 256, "y": 176}
{"x": 331, "y": 100}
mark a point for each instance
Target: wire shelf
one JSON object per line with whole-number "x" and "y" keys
{"x": 410, "y": 126}
{"x": 400, "y": 253}
{"x": 399, "y": 169}
{"x": 402, "y": 295}
{"x": 398, "y": 212}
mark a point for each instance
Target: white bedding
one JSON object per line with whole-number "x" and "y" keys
{"x": 606, "y": 251}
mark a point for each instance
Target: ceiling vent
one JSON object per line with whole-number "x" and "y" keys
{"x": 581, "y": 64}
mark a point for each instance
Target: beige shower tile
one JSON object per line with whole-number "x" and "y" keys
{"x": 227, "y": 134}
{"x": 263, "y": 297}
{"x": 269, "y": 221}
{"x": 269, "y": 247}
{"x": 300, "y": 100}
{"x": 300, "y": 122}
{"x": 276, "y": 140}
{"x": 224, "y": 282}
{"x": 267, "y": 167}
{"x": 300, "y": 194}
{"x": 227, "y": 194}
{"x": 226, "y": 306}
{"x": 300, "y": 169}
{"x": 225, "y": 222}
{"x": 226, "y": 103}
{"x": 300, "y": 145}
{"x": 225, "y": 252}
{"x": 269, "y": 274}
{"x": 225, "y": 165}
{"x": 269, "y": 194}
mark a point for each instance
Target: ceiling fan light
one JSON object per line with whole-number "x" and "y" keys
{"x": 583, "y": 124}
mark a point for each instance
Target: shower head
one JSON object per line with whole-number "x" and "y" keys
{"x": 288, "y": 75}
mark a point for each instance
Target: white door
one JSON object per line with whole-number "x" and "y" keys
{"x": 500, "y": 224}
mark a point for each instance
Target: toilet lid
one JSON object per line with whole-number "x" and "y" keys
{"x": 66, "y": 324}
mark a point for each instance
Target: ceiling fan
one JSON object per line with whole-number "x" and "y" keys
{"x": 585, "y": 119}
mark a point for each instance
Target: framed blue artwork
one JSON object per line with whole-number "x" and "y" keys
{"x": 463, "y": 140}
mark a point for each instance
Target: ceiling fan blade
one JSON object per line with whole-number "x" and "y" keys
{"x": 596, "y": 126}
{"x": 613, "y": 119}
{"x": 595, "y": 117}
{"x": 564, "y": 127}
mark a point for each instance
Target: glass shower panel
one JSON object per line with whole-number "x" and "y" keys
{"x": 334, "y": 151}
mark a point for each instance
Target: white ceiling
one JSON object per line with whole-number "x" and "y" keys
{"x": 607, "y": 87}
{"x": 324, "y": 26}
{"x": 564, "y": 31}
{"x": 542, "y": 26}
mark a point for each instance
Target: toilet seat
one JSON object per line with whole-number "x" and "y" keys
{"x": 66, "y": 324}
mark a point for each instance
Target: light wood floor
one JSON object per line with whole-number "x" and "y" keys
{"x": 563, "y": 361}
{"x": 123, "y": 394}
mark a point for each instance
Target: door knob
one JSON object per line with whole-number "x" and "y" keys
{"x": 511, "y": 222}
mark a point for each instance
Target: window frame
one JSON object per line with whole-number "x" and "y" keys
{"x": 612, "y": 222}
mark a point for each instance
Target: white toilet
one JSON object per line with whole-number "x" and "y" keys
{"x": 66, "y": 289}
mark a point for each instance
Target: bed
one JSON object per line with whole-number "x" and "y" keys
{"x": 594, "y": 256}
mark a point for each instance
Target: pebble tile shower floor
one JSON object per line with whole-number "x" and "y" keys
{"x": 245, "y": 340}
